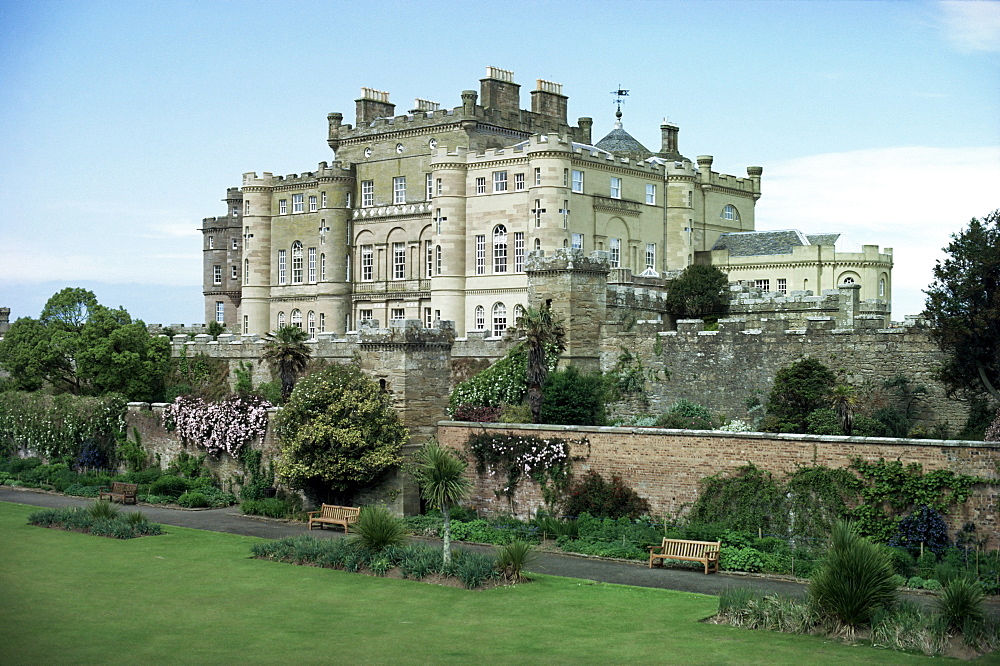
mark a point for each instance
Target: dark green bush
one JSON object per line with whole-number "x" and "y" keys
{"x": 193, "y": 500}
{"x": 961, "y": 603}
{"x": 573, "y": 398}
{"x": 117, "y": 526}
{"x": 686, "y": 415}
{"x": 169, "y": 485}
{"x": 798, "y": 390}
{"x": 823, "y": 421}
{"x": 377, "y": 529}
{"x": 271, "y": 507}
{"x": 597, "y": 497}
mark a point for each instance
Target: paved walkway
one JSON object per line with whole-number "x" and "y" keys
{"x": 230, "y": 520}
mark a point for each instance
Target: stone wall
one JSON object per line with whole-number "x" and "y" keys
{"x": 666, "y": 466}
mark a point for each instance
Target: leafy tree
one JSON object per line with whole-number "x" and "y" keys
{"x": 542, "y": 331}
{"x": 698, "y": 291}
{"x": 81, "y": 347}
{"x": 286, "y": 351}
{"x": 440, "y": 474}
{"x": 798, "y": 390}
{"x": 338, "y": 432}
{"x": 844, "y": 400}
{"x": 963, "y": 306}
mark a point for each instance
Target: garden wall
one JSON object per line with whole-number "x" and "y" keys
{"x": 666, "y": 466}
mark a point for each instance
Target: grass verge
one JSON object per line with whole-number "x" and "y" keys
{"x": 196, "y": 597}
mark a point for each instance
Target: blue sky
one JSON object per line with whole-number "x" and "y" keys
{"x": 123, "y": 123}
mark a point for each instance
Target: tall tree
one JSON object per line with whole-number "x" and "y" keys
{"x": 286, "y": 350}
{"x": 698, "y": 291}
{"x": 542, "y": 332}
{"x": 963, "y": 306}
{"x": 440, "y": 473}
{"x": 844, "y": 399}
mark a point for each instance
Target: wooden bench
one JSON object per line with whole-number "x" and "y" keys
{"x": 121, "y": 492}
{"x": 706, "y": 552}
{"x": 330, "y": 514}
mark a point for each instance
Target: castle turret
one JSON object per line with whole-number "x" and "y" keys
{"x": 448, "y": 216}
{"x": 255, "y": 304}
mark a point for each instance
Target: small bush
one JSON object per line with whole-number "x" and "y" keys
{"x": 511, "y": 560}
{"x": 915, "y": 583}
{"x": 193, "y": 500}
{"x": 377, "y": 529}
{"x": 169, "y": 485}
{"x": 271, "y": 507}
{"x": 593, "y": 495}
{"x": 686, "y": 415}
{"x": 933, "y": 585}
{"x": 473, "y": 569}
{"x": 823, "y": 421}
{"x": 477, "y": 413}
{"x": 960, "y": 603}
{"x": 103, "y": 510}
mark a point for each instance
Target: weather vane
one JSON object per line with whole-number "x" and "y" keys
{"x": 621, "y": 92}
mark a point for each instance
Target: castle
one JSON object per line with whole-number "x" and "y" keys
{"x": 432, "y": 215}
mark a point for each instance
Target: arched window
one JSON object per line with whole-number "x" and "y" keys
{"x": 848, "y": 280}
{"x": 881, "y": 287}
{"x": 730, "y": 213}
{"x": 499, "y": 320}
{"x": 518, "y": 312}
{"x": 437, "y": 260}
{"x": 246, "y": 271}
{"x": 311, "y": 324}
{"x": 480, "y": 318}
{"x": 296, "y": 262}
{"x": 565, "y": 242}
{"x": 281, "y": 320}
{"x": 500, "y": 249}
{"x": 297, "y": 318}
{"x": 538, "y": 243}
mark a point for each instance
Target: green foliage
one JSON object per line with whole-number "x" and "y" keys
{"x": 131, "y": 453}
{"x": 544, "y": 340}
{"x": 748, "y": 500}
{"x": 200, "y": 376}
{"x": 545, "y": 461}
{"x": 798, "y": 390}
{"x": 595, "y": 496}
{"x": 823, "y": 421}
{"x": 189, "y": 466}
{"x": 573, "y": 398}
{"x": 169, "y": 485}
{"x": 741, "y": 559}
{"x": 96, "y": 521}
{"x": 103, "y": 510}
{"x": 503, "y": 383}
{"x": 286, "y": 351}
{"x": 854, "y": 581}
{"x": 271, "y": 507}
{"x": 257, "y": 479}
{"x": 377, "y": 529}
{"x": 961, "y": 603}
{"x": 963, "y": 306}
{"x": 215, "y": 329}
{"x": 698, "y": 291}
{"x": 338, "y": 432}
{"x": 59, "y": 426}
{"x": 193, "y": 500}
{"x": 686, "y": 415}
{"x": 512, "y": 558}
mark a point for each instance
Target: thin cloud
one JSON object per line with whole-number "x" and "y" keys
{"x": 972, "y": 25}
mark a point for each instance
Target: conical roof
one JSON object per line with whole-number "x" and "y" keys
{"x": 620, "y": 143}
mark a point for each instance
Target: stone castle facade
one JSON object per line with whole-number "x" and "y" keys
{"x": 432, "y": 216}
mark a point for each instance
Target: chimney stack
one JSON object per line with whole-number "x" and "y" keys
{"x": 373, "y": 104}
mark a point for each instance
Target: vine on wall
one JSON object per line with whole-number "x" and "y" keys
{"x": 61, "y": 425}
{"x": 516, "y": 457}
{"x": 226, "y": 425}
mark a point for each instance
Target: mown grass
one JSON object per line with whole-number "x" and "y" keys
{"x": 195, "y": 597}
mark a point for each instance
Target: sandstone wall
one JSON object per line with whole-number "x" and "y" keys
{"x": 666, "y": 466}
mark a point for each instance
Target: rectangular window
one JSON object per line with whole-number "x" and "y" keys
{"x": 313, "y": 206}
{"x": 236, "y": 211}
{"x": 398, "y": 314}
{"x": 764, "y": 285}
{"x": 429, "y": 255}
{"x": 616, "y": 188}
{"x": 211, "y": 242}
{"x": 782, "y": 286}
{"x": 538, "y": 176}
{"x": 651, "y": 256}
{"x": 246, "y": 207}
{"x": 217, "y": 274}
{"x": 577, "y": 181}
{"x": 537, "y": 210}
{"x": 651, "y": 194}
{"x": 322, "y": 267}
{"x": 312, "y": 265}
{"x": 437, "y": 260}
{"x": 322, "y": 323}
{"x": 438, "y": 220}
{"x": 282, "y": 206}
{"x": 220, "y": 312}
{"x": 565, "y": 213}
{"x": 518, "y": 251}
{"x": 398, "y": 261}
{"x": 235, "y": 273}
{"x": 323, "y": 194}
{"x": 297, "y": 203}
{"x": 365, "y": 315}
{"x": 236, "y": 244}
{"x": 367, "y": 193}
{"x": 565, "y": 177}
{"x": 428, "y": 320}
{"x": 246, "y": 271}
{"x": 437, "y": 187}
{"x": 246, "y": 324}
{"x": 577, "y": 241}
{"x": 367, "y": 262}
{"x": 429, "y": 183}
{"x": 518, "y": 182}
{"x": 281, "y": 267}
{"x": 615, "y": 245}
{"x": 481, "y": 185}
{"x": 690, "y": 199}
{"x": 480, "y": 255}
{"x": 347, "y": 199}
{"x": 499, "y": 181}
{"x": 399, "y": 190}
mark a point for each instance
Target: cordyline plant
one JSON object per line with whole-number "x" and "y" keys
{"x": 218, "y": 426}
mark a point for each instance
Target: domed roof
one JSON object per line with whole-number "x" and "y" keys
{"x": 620, "y": 143}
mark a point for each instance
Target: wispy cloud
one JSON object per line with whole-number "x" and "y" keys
{"x": 972, "y": 25}
{"x": 910, "y": 199}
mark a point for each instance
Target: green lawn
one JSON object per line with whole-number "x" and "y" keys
{"x": 195, "y": 597}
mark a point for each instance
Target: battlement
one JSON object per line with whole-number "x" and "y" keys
{"x": 323, "y": 170}
{"x": 566, "y": 259}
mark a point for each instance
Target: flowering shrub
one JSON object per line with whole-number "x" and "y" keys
{"x": 736, "y": 425}
{"x": 503, "y": 383}
{"x": 546, "y": 461}
{"x": 55, "y": 426}
{"x": 218, "y": 426}
{"x": 993, "y": 431}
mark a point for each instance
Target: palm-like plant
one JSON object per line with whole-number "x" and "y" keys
{"x": 285, "y": 349}
{"x": 844, "y": 399}
{"x": 541, "y": 329}
{"x": 440, "y": 475}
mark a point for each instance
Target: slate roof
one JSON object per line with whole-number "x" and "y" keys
{"x": 823, "y": 239}
{"x": 753, "y": 243}
{"x": 620, "y": 143}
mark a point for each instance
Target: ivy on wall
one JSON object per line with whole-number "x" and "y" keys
{"x": 60, "y": 425}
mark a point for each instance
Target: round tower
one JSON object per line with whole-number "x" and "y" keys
{"x": 448, "y": 217}
{"x": 550, "y": 195}
{"x": 333, "y": 290}
{"x": 255, "y": 303}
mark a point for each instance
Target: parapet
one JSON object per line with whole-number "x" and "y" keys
{"x": 566, "y": 259}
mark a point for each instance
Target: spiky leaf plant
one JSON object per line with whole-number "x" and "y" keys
{"x": 377, "y": 529}
{"x": 512, "y": 558}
